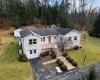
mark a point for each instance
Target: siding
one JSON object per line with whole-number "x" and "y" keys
{"x": 28, "y": 47}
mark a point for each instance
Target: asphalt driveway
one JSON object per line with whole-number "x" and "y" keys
{"x": 40, "y": 73}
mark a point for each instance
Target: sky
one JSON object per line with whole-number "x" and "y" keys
{"x": 96, "y": 2}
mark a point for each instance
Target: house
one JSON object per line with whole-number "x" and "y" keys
{"x": 34, "y": 41}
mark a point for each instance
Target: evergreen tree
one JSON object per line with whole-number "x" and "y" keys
{"x": 96, "y": 27}
{"x": 92, "y": 74}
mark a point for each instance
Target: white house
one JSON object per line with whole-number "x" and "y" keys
{"x": 33, "y": 41}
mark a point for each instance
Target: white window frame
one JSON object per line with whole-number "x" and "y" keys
{"x": 43, "y": 39}
{"x": 75, "y": 38}
{"x": 33, "y": 41}
{"x": 69, "y": 38}
{"x": 31, "y": 51}
{"x": 35, "y": 51}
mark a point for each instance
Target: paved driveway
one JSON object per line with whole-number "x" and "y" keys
{"x": 39, "y": 71}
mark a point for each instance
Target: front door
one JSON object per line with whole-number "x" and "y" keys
{"x": 49, "y": 40}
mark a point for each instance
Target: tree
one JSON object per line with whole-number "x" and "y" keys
{"x": 96, "y": 27}
{"x": 92, "y": 74}
{"x": 64, "y": 43}
{"x": 65, "y": 20}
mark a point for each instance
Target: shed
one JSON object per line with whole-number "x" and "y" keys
{"x": 17, "y": 33}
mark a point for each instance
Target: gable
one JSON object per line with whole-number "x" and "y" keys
{"x": 72, "y": 33}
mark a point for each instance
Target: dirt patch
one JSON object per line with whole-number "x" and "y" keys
{"x": 5, "y": 24}
{"x": 51, "y": 66}
{"x": 46, "y": 58}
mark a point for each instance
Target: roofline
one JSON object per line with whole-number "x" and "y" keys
{"x": 46, "y": 35}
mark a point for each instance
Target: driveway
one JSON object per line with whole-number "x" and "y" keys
{"x": 41, "y": 73}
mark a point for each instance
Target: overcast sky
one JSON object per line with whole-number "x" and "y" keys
{"x": 96, "y": 2}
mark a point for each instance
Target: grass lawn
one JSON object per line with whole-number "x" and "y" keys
{"x": 10, "y": 67}
{"x": 91, "y": 47}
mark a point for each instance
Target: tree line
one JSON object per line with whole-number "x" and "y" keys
{"x": 65, "y": 14}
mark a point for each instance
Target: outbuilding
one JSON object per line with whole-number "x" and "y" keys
{"x": 17, "y": 34}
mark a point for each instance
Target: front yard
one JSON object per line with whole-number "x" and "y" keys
{"x": 91, "y": 48}
{"x": 10, "y": 67}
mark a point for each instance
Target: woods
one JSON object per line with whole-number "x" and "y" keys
{"x": 67, "y": 13}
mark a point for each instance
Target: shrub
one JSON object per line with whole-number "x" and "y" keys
{"x": 76, "y": 47}
{"x": 64, "y": 67}
{"x": 92, "y": 74}
{"x": 60, "y": 63}
{"x": 23, "y": 58}
{"x": 67, "y": 57}
{"x": 53, "y": 54}
{"x": 80, "y": 46}
{"x": 71, "y": 60}
{"x": 74, "y": 63}
{"x": 65, "y": 54}
{"x": 46, "y": 53}
{"x": 58, "y": 60}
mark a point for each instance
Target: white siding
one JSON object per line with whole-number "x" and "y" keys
{"x": 53, "y": 40}
{"x": 28, "y": 47}
{"x": 72, "y": 34}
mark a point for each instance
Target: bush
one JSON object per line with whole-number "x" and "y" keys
{"x": 76, "y": 47}
{"x": 64, "y": 67}
{"x": 74, "y": 63}
{"x": 67, "y": 57}
{"x": 65, "y": 54}
{"x": 46, "y": 53}
{"x": 59, "y": 62}
{"x": 23, "y": 58}
{"x": 53, "y": 54}
{"x": 70, "y": 60}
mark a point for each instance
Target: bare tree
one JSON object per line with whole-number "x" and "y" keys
{"x": 64, "y": 43}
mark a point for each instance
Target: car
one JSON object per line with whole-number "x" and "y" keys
{"x": 58, "y": 70}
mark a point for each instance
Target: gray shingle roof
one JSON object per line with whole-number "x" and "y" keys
{"x": 25, "y": 33}
{"x": 45, "y": 31}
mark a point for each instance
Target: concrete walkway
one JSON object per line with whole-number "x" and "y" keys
{"x": 48, "y": 62}
{"x": 59, "y": 55}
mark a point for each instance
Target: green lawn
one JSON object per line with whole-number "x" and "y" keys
{"x": 91, "y": 47}
{"x": 10, "y": 67}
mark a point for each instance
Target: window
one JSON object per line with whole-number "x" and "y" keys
{"x": 75, "y": 38}
{"x": 55, "y": 37}
{"x": 34, "y": 41}
{"x": 43, "y": 38}
{"x": 69, "y": 39}
{"x": 30, "y": 51}
{"x": 34, "y": 51}
{"x": 30, "y": 41}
